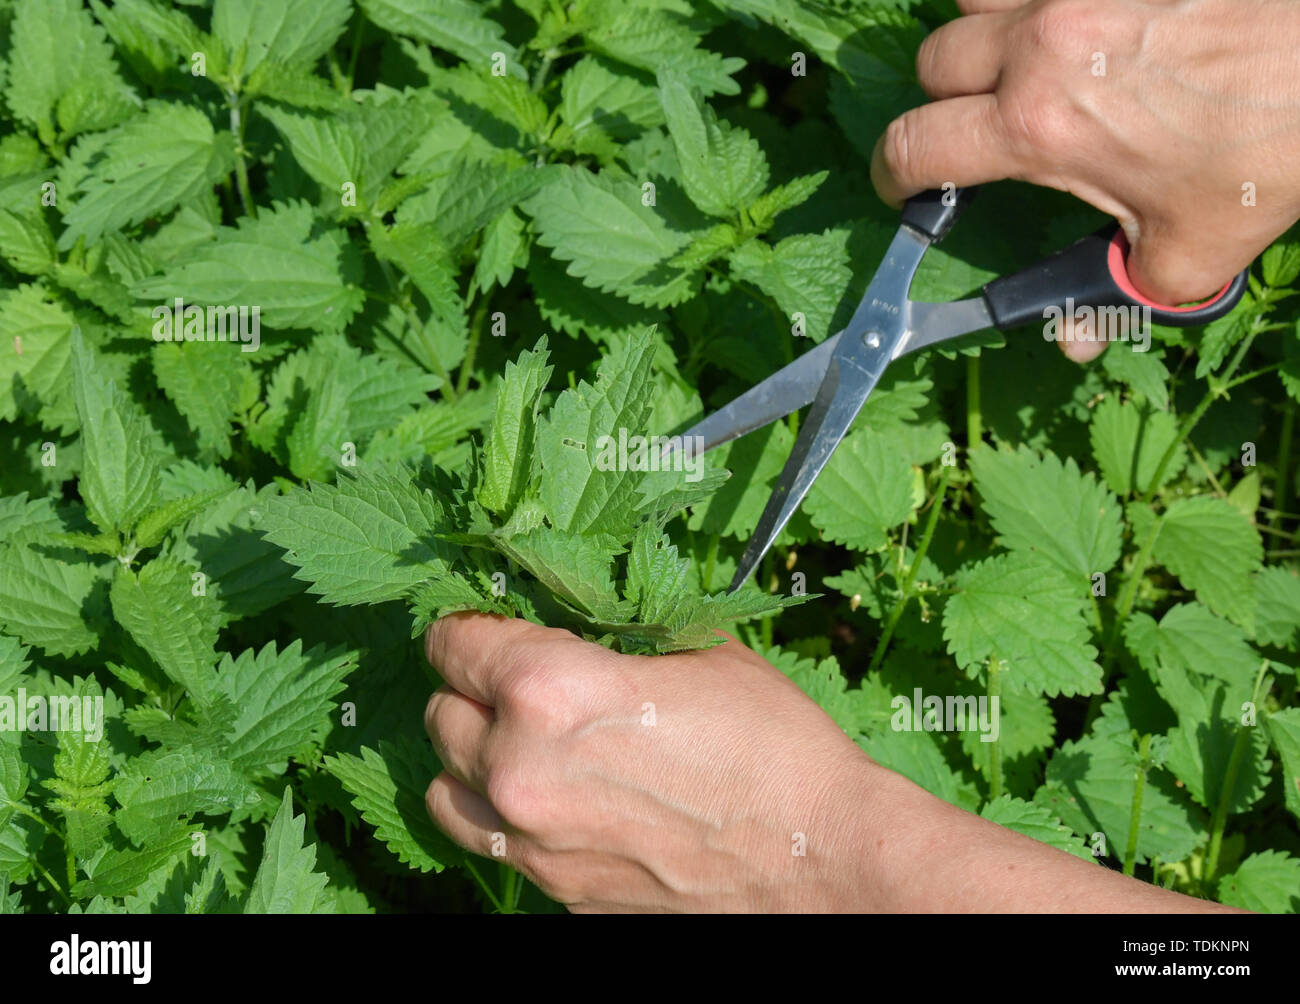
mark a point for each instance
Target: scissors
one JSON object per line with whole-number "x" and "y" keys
{"x": 838, "y": 376}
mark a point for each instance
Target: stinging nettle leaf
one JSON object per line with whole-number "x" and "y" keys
{"x": 508, "y": 452}
{"x": 287, "y": 880}
{"x": 121, "y": 472}
{"x": 149, "y": 165}
{"x": 367, "y": 539}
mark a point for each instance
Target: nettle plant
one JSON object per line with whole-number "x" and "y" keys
{"x": 315, "y": 317}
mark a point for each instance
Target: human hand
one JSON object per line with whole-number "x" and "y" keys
{"x": 689, "y": 782}
{"x": 1164, "y": 114}
{"x": 667, "y": 783}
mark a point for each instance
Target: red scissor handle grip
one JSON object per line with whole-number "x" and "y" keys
{"x": 1092, "y": 273}
{"x": 1117, "y": 263}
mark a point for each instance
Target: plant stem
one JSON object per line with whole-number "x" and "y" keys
{"x": 1225, "y": 794}
{"x": 995, "y": 747}
{"x": 548, "y": 57}
{"x": 241, "y": 166}
{"x": 1282, "y": 486}
{"x": 448, "y": 388}
{"x": 974, "y": 420}
{"x": 471, "y": 350}
{"x": 487, "y": 890}
{"x": 906, "y": 593}
{"x": 1135, "y": 814}
{"x": 51, "y": 881}
{"x": 1218, "y": 387}
{"x": 710, "y": 560}
{"x": 356, "y": 51}
{"x": 509, "y": 879}
{"x": 1126, "y": 600}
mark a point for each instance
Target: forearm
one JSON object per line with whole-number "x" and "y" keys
{"x": 915, "y": 853}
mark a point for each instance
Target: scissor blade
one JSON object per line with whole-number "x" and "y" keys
{"x": 845, "y": 390}
{"x": 932, "y": 323}
{"x": 877, "y": 332}
{"x": 788, "y": 389}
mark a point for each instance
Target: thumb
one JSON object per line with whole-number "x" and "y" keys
{"x": 1172, "y": 268}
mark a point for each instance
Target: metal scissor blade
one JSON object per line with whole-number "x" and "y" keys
{"x": 932, "y": 323}
{"x": 788, "y": 389}
{"x": 877, "y": 332}
{"x": 837, "y": 404}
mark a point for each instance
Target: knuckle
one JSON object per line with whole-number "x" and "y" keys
{"x": 1063, "y": 28}
{"x": 1041, "y": 124}
{"x": 547, "y": 693}
{"x": 556, "y": 877}
{"x": 514, "y": 795}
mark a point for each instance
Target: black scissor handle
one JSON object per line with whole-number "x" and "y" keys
{"x": 1092, "y": 273}
{"x": 934, "y": 212}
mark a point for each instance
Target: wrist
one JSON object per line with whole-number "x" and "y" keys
{"x": 864, "y": 863}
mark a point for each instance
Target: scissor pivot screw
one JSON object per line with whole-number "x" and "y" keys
{"x": 872, "y": 338}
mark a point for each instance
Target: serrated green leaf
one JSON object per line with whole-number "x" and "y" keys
{"x": 1277, "y": 615}
{"x": 160, "y": 609}
{"x": 81, "y": 785}
{"x": 1035, "y": 821}
{"x": 35, "y": 340}
{"x": 575, "y": 439}
{"x": 59, "y": 58}
{"x": 121, "y": 472}
{"x": 287, "y": 880}
{"x": 388, "y": 787}
{"x": 1046, "y": 507}
{"x": 162, "y": 785}
{"x": 368, "y": 539}
{"x": 1129, "y": 442}
{"x": 1284, "y": 731}
{"x": 1144, "y": 372}
{"x": 1214, "y": 550}
{"x": 122, "y": 870}
{"x": 807, "y": 275}
{"x": 151, "y": 164}
{"x": 1267, "y": 882}
{"x": 611, "y": 240}
{"x": 157, "y": 522}
{"x": 723, "y": 168}
{"x": 52, "y": 604}
{"x": 275, "y": 263}
{"x": 508, "y": 452}
{"x": 865, "y": 490}
{"x": 1191, "y": 637}
{"x": 291, "y": 31}
{"x": 458, "y": 26}
{"x": 1025, "y": 613}
{"x": 1089, "y": 785}
{"x": 284, "y": 699}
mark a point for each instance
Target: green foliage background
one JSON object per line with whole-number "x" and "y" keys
{"x": 409, "y": 220}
